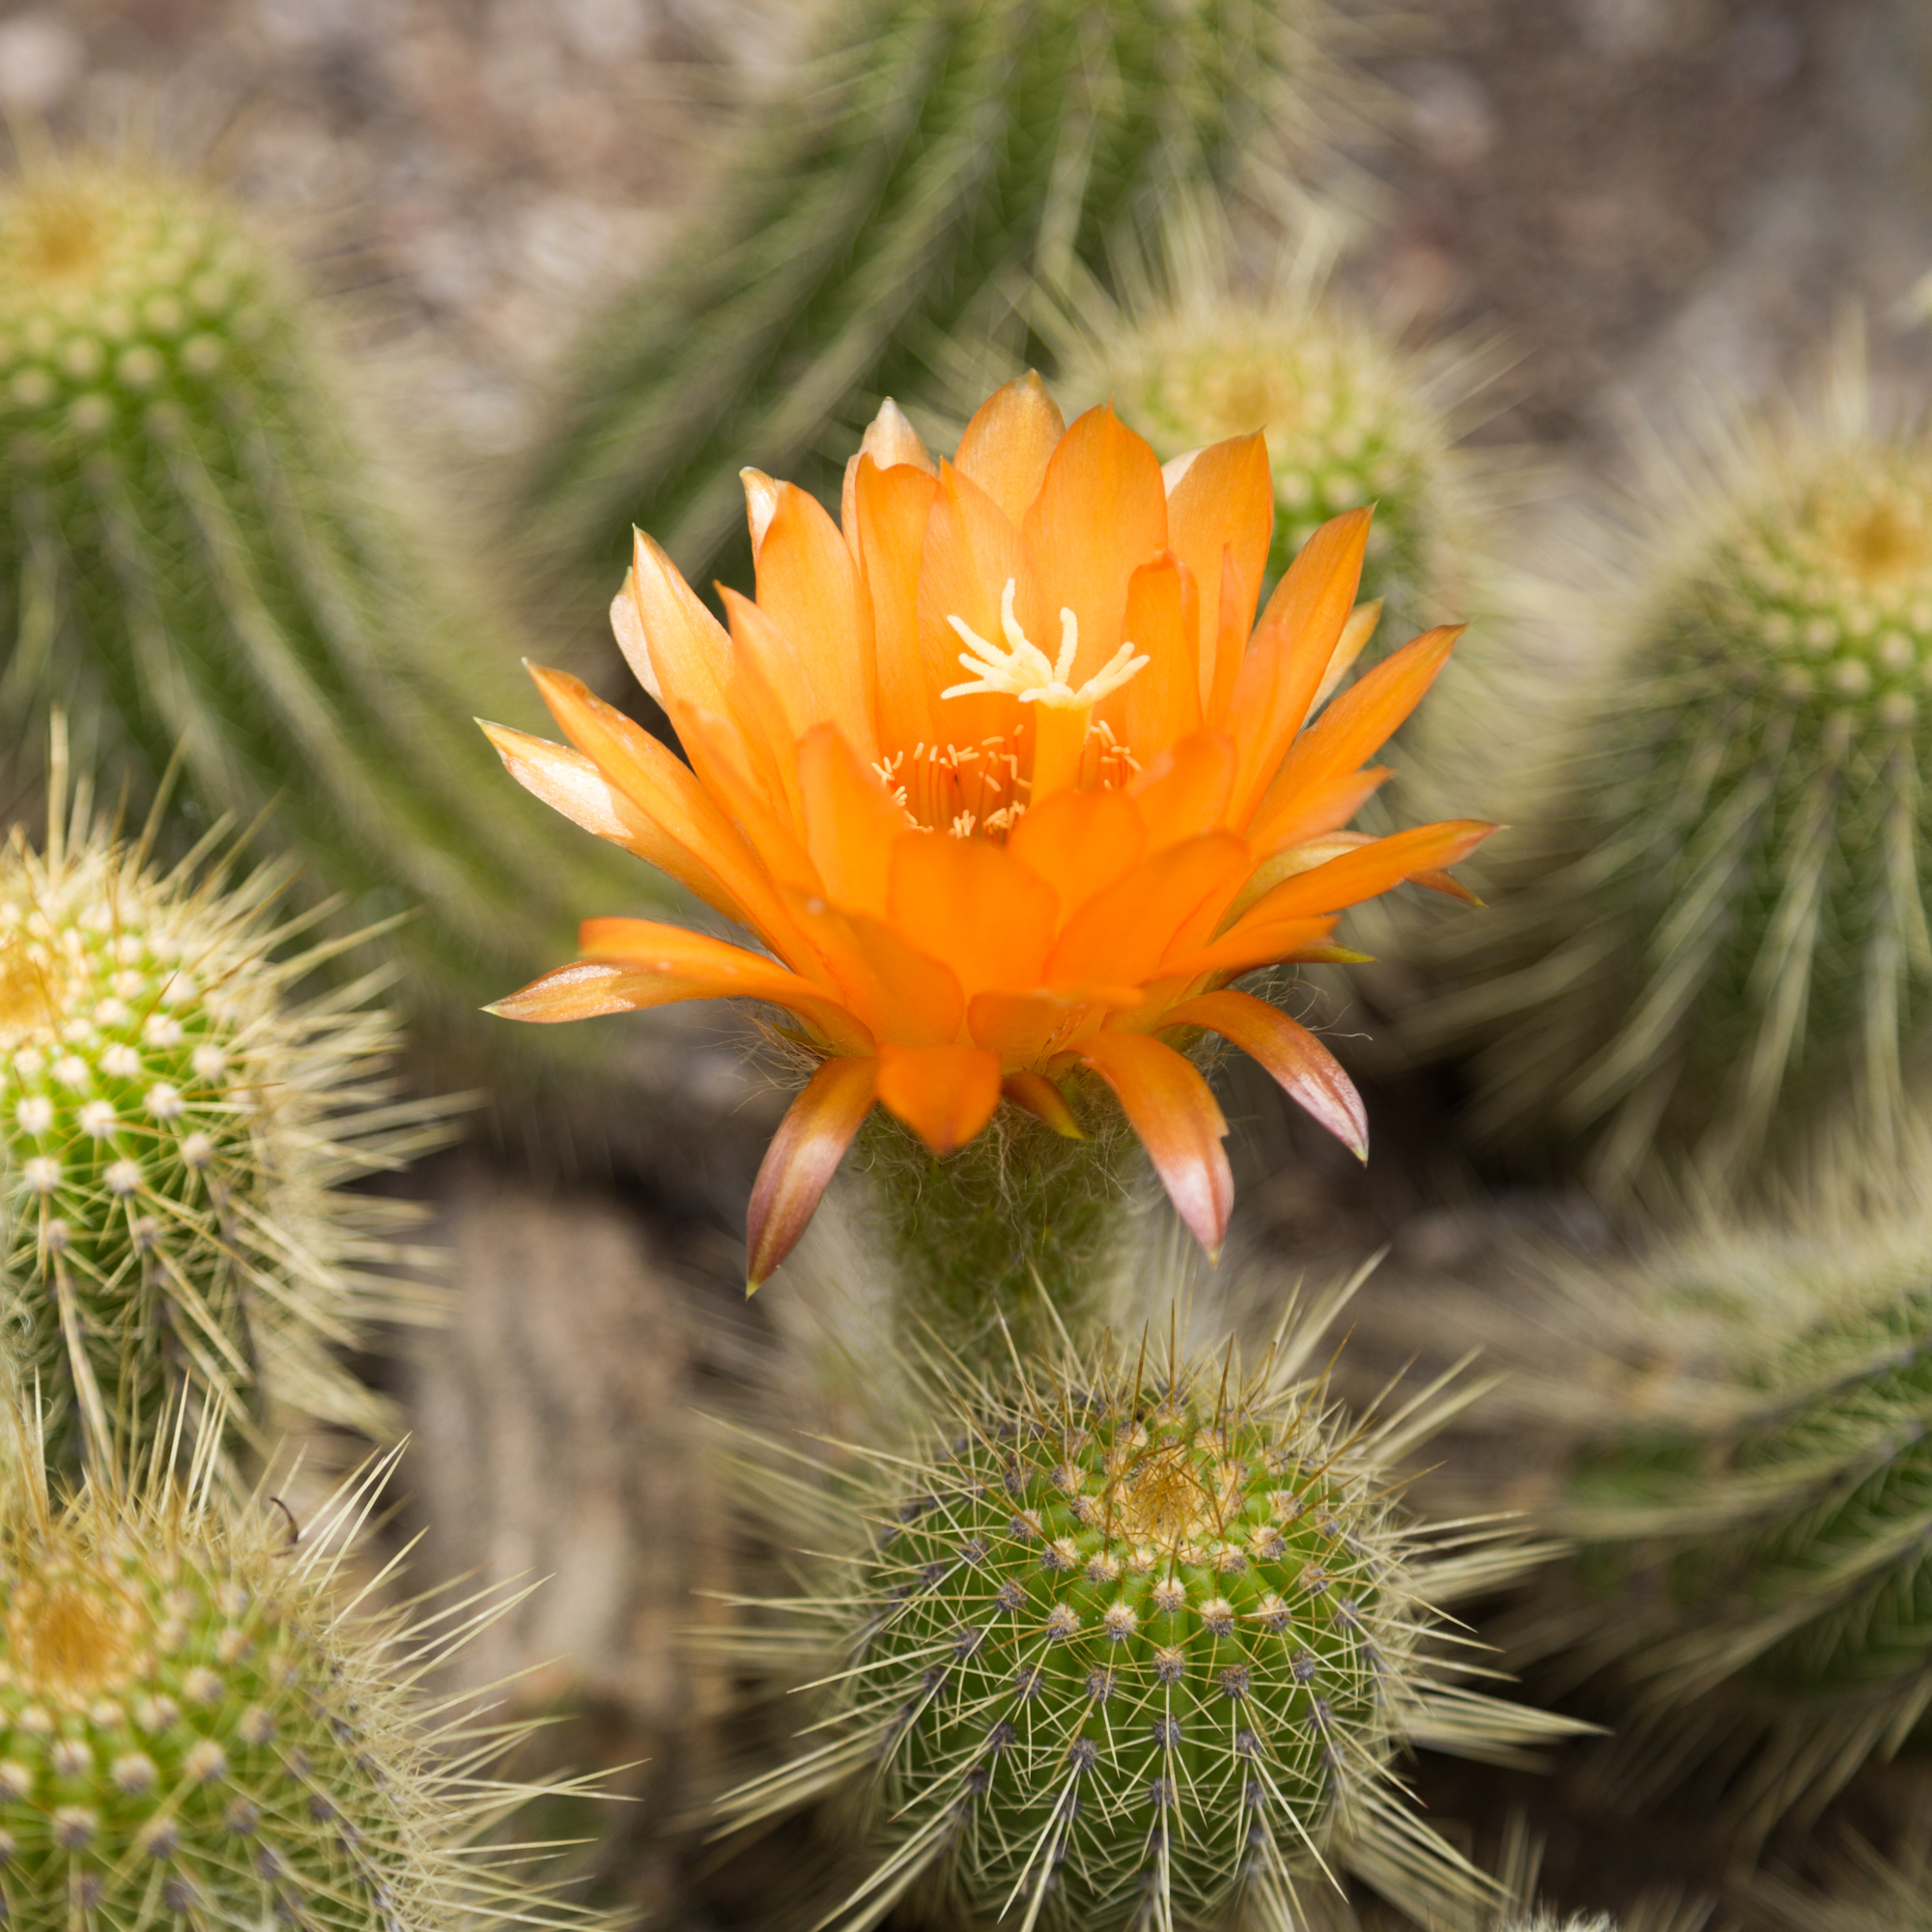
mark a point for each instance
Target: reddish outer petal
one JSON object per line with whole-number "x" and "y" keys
{"x": 943, "y": 1094}
{"x": 1308, "y": 1072}
{"x": 804, "y": 1155}
{"x": 1044, "y": 1100}
{"x": 1170, "y": 1108}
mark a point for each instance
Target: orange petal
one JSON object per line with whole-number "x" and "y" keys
{"x": 753, "y": 793}
{"x": 1173, "y": 899}
{"x": 971, "y": 551}
{"x": 1290, "y": 650}
{"x": 1027, "y": 1029}
{"x": 1308, "y": 1072}
{"x": 1009, "y": 442}
{"x": 1353, "y": 641}
{"x": 688, "y": 655}
{"x": 943, "y": 1094}
{"x": 1375, "y": 868}
{"x": 891, "y": 440}
{"x": 1038, "y": 1097}
{"x": 892, "y": 506}
{"x": 721, "y": 972}
{"x": 900, "y": 993}
{"x": 1079, "y": 842}
{"x": 850, "y": 825}
{"x": 1316, "y": 810}
{"x": 1184, "y": 791}
{"x": 803, "y": 1157}
{"x": 1356, "y": 724}
{"x": 1172, "y": 1109}
{"x": 1163, "y": 704}
{"x": 1224, "y": 505}
{"x": 809, "y": 584}
{"x": 976, "y": 906}
{"x": 1248, "y": 944}
{"x": 660, "y": 784}
{"x": 1100, "y": 514}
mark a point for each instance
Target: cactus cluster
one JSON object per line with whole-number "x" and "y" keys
{"x": 194, "y": 1731}
{"x": 196, "y": 564}
{"x": 1733, "y": 923}
{"x": 1136, "y": 1634}
{"x": 174, "y": 1124}
{"x": 930, "y": 159}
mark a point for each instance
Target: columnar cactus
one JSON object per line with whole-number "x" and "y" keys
{"x": 1739, "y": 925}
{"x": 1136, "y": 1635}
{"x": 196, "y": 563}
{"x": 929, "y": 161}
{"x": 175, "y": 1125}
{"x": 194, "y": 1733}
{"x": 1754, "y": 1577}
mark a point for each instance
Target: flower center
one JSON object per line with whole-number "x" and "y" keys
{"x": 1024, "y": 672}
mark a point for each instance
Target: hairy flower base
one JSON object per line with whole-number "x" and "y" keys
{"x": 1133, "y": 1637}
{"x": 969, "y": 889}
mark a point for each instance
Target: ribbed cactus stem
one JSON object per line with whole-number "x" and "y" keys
{"x": 1130, "y": 1640}
{"x": 175, "y": 1126}
{"x": 197, "y": 561}
{"x": 1727, "y": 923}
{"x": 931, "y": 158}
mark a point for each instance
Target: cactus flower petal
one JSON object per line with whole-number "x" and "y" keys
{"x": 804, "y": 1155}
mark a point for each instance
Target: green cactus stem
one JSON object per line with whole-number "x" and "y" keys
{"x": 929, "y": 161}
{"x": 175, "y": 1126}
{"x": 1724, "y": 927}
{"x": 1130, "y": 1640}
{"x": 197, "y": 562}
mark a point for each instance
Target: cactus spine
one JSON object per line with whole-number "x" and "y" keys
{"x": 174, "y": 1128}
{"x": 194, "y": 1732}
{"x": 1134, "y": 1638}
{"x": 195, "y": 561}
{"x": 1731, "y": 921}
{"x": 933, "y": 158}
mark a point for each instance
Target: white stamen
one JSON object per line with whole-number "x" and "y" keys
{"x": 1022, "y": 670}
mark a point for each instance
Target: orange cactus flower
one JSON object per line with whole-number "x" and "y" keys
{"x": 1006, "y": 782}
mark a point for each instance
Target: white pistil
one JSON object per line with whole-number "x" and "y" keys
{"x": 1023, "y": 670}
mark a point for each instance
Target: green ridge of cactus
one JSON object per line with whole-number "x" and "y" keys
{"x": 928, "y": 161}
{"x": 1727, "y": 923}
{"x": 195, "y": 1731}
{"x": 197, "y": 561}
{"x": 1753, "y": 1575}
{"x": 1130, "y": 1639}
{"x": 177, "y": 1124}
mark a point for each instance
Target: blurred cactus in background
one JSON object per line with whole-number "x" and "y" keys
{"x": 1132, "y": 1638}
{"x": 1722, "y": 919}
{"x": 199, "y": 1731}
{"x": 1191, "y": 351}
{"x": 1863, "y": 1891}
{"x": 1755, "y": 1575}
{"x": 931, "y": 160}
{"x": 175, "y": 1126}
{"x": 196, "y": 561}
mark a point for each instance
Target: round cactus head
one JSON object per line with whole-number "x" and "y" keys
{"x": 173, "y": 1126}
{"x": 124, "y": 287}
{"x": 193, "y": 1732}
{"x": 1129, "y": 1639}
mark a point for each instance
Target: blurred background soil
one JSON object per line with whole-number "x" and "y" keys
{"x": 1633, "y": 199}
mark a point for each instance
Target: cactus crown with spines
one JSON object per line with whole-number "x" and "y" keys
{"x": 201, "y": 566}
{"x": 1137, "y": 1633}
{"x": 194, "y": 1729}
{"x": 174, "y": 1127}
{"x": 1730, "y": 921}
